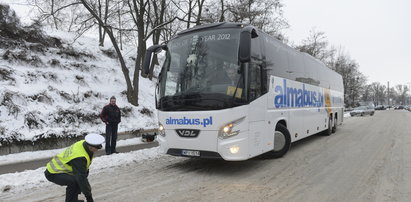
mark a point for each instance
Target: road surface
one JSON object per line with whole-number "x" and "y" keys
{"x": 368, "y": 159}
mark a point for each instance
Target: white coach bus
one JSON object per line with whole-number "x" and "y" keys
{"x": 228, "y": 90}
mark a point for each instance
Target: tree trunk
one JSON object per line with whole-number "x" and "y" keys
{"x": 157, "y": 33}
{"x": 189, "y": 13}
{"x": 200, "y": 10}
{"x": 105, "y": 20}
{"x": 222, "y": 19}
{"x": 53, "y": 15}
{"x": 132, "y": 97}
{"x": 100, "y": 28}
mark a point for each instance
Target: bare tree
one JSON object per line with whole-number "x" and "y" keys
{"x": 159, "y": 9}
{"x": 353, "y": 80}
{"x": 49, "y": 11}
{"x": 316, "y": 44}
{"x": 376, "y": 93}
{"x": 101, "y": 31}
{"x": 200, "y": 7}
{"x": 402, "y": 91}
{"x": 132, "y": 96}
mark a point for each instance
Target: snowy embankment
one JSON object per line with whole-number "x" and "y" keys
{"x": 55, "y": 85}
{"x": 36, "y": 155}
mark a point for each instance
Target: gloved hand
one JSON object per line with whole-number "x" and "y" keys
{"x": 89, "y": 198}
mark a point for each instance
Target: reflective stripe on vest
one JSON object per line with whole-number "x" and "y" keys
{"x": 58, "y": 164}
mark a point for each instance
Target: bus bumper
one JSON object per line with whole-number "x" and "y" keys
{"x": 207, "y": 145}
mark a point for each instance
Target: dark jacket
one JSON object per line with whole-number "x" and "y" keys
{"x": 110, "y": 114}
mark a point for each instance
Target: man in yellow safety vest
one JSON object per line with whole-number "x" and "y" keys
{"x": 71, "y": 167}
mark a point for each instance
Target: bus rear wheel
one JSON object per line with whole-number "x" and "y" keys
{"x": 282, "y": 142}
{"x": 328, "y": 131}
{"x": 334, "y": 129}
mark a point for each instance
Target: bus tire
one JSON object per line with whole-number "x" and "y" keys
{"x": 329, "y": 130}
{"x": 282, "y": 141}
{"x": 334, "y": 129}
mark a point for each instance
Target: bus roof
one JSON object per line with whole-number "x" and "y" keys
{"x": 213, "y": 25}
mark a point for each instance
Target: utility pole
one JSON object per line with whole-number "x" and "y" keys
{"x": 388, "y": 93}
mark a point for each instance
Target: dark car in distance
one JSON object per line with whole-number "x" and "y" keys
{"x": 380, "y": 107}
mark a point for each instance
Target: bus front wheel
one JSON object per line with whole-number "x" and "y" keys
{"x": 282, "y": 142}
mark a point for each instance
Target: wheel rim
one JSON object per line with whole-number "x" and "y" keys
{"x": 279, "y": 141}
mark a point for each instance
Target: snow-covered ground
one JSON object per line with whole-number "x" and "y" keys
{"x": 20, "y": 181}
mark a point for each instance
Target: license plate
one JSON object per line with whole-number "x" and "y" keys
{"x": 190, "y": 153}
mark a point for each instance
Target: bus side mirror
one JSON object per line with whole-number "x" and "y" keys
{"x": 244, "y": 51}
{"x": 147, "y": 59}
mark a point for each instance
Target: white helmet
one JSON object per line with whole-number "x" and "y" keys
{"x": 94, "y": 139}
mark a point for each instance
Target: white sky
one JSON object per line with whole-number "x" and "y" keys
{"x": 375, "y": 33}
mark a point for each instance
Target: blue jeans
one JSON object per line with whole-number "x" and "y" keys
{"x": 111, "y": 137}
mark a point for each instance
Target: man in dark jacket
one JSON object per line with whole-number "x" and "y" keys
{"x": 70, "y": 168}
{"x": 111, "y": 116}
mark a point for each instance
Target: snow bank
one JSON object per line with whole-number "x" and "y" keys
{"x": 20, "y": 181}
{"x": 30, "y": 156}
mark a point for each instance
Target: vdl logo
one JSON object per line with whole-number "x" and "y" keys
{"x": 187, "y": 132}
{"x": 297, "y": 97}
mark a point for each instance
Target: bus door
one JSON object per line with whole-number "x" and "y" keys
{"x": 257, "y": 87}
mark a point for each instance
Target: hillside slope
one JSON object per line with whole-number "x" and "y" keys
{"x": 54, "y": 86}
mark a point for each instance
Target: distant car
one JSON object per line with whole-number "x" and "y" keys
{"x": 362, "y": 110}
{"x": 399, "y": 107}
{"x": 380, "y": 107}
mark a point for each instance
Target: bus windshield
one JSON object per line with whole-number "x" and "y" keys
{"x": 201, "y": 72}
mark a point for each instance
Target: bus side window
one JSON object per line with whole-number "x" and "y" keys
{"x": 255, "y": 68}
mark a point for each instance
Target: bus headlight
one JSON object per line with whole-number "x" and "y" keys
{"x": 228, "y": 130}
{"x": 161, "y": 130}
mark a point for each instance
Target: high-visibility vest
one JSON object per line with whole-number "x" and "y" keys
{"x": 59, "y": 163}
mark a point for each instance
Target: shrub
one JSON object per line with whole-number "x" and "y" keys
{"x": 146, "y": 111}
{"x": 9, "y": 104}
{"x": 126, "y": 111}
{"x": 33, "y": 121}
{"x": 72, "y": 53}
{"x": 67, "y": 116}
{"x": 10, "y": 28}
{"x": 5, "y": 75}
{"x": 109, "y": 53}
{"x": 22, "y": 56}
